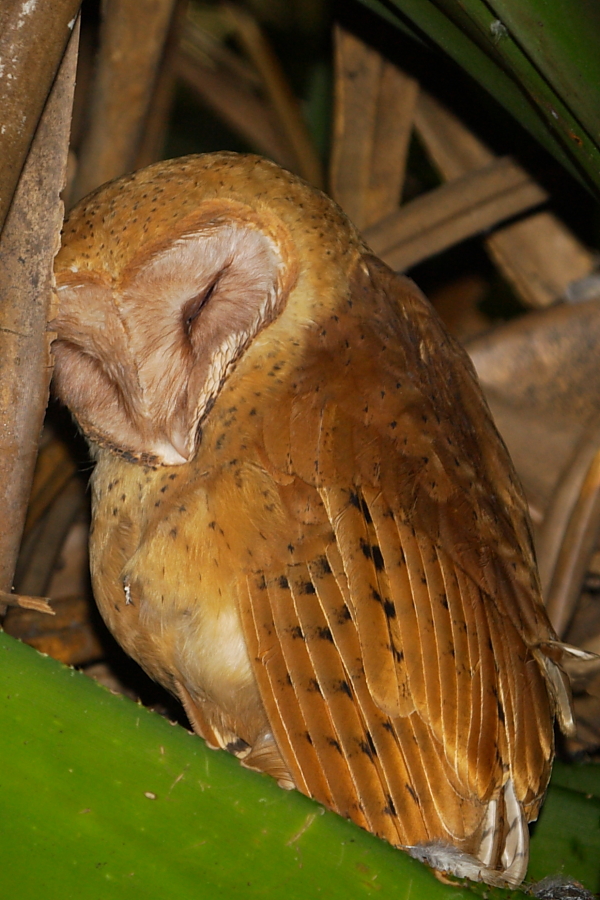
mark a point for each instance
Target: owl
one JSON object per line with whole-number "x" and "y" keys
{"x": 305, "y": 524}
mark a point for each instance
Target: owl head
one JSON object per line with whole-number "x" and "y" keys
{"x": 164, "y": 278}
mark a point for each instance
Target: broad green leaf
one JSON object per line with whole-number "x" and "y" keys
{"x": 538, "y": 58}
{"x": 566, "y": 838}
{"x": 101, "y": 798}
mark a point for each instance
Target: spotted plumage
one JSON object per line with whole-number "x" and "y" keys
{"x": 305, "y": 523}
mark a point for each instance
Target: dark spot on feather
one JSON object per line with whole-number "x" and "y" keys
{"x": 117, "y": 607}
{"x": 393, "y": 424}
{"x": 288, "y": 680}
{"x": 261, "y": 584}
{"x": 157, "y": 503}
{"x": 325, "y": 634}
{"x": 219, "y": 441}
{"x": 252, "y": 411}
{"x": 344, "y": 614}
{"x": 162, "y": 490}
{"x": 388, "y": 726}
{"x": 291, "y": 548}
{"x": 389, "y": 609}
{"x": 308, "y": 737}
{"x": 212, "y": 525}
{"x": 444, "y": 601}
{"x": 364, "y": 747}
{"x": 367, "y": 746}
{"x": 314, "y": 686}
{"x": 389, "y": 809}
{"x": 375, "y": 595}
{"x": 111, "y": 485}
{"x": 333, "y": 743}
{"x": 344, "y": 687}
{"x": 283, "y": 583}
{"x": 412, "y": 793}
{"x": 425, "y": 459}
{"x": 322, "y": 566}
{"x": 377, "y": 557}
{"x": 398, "y": 654}
{"x": 182, "y": 509}
{"x": 172, "y": 476}
{"x": 123, "y": 497}
{"x": 173, "y": 532}
{"x": 307, "y": 587}
{"x": 115, "y": 511}
{"x": 296, "y": 632}
{"x": 237, "y": 746}
{"x": 501, "y": 715}
{"x": 354, "y": 499}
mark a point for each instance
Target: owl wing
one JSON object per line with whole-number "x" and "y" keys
{"x": 395, "y": 629}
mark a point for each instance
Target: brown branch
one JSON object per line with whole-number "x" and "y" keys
{"x": 451, "y": 213}
{"x": 33, "y": 37}
{"x": 284, "y": 103}
{"x": 230, "y": 89}
{"x": 538, "y": 255}
{"x": 29, "y": 243}
{"x": 154, "y": 132}
{"x": 132, "y": 38}
{"x": 39, "y": 604}
{"x": 374, "y": 108}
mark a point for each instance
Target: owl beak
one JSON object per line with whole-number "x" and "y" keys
{"x": 180, "y": 447}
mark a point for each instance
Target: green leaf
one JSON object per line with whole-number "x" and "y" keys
{"x": 538, "y": 58}
{"x": 103, "y": 798}
{"x": 566, "y": 839}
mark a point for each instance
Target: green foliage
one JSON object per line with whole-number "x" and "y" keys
{"x": 538, "y": 58}
{"x": 103, "y": 798}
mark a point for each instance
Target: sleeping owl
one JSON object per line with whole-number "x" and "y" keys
{"x": 305, "y": 524}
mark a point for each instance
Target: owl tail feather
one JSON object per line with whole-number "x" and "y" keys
{"x": 503, "y": 853}
{"x": 562, "y": 663}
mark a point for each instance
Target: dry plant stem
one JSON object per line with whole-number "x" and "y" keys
{"x": 53, "y": 471}
{"x": 29, "y": 244}
{"x": 39, "y": 604}
{"x": 455, "y": 211}
{"x": 282, "y": 99}
{"x": 373, "y": 120}
{"x": 155, "y": 130}
{"x": 538, "y": 255}
{"x": 580, "y": 538}
{"x": 561, "y": 505}
{"x": 34, "y": 578}
{"x": 132, "y": 37}
{"x": 33, "y": 37}
{"x": 229, "y": 88}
